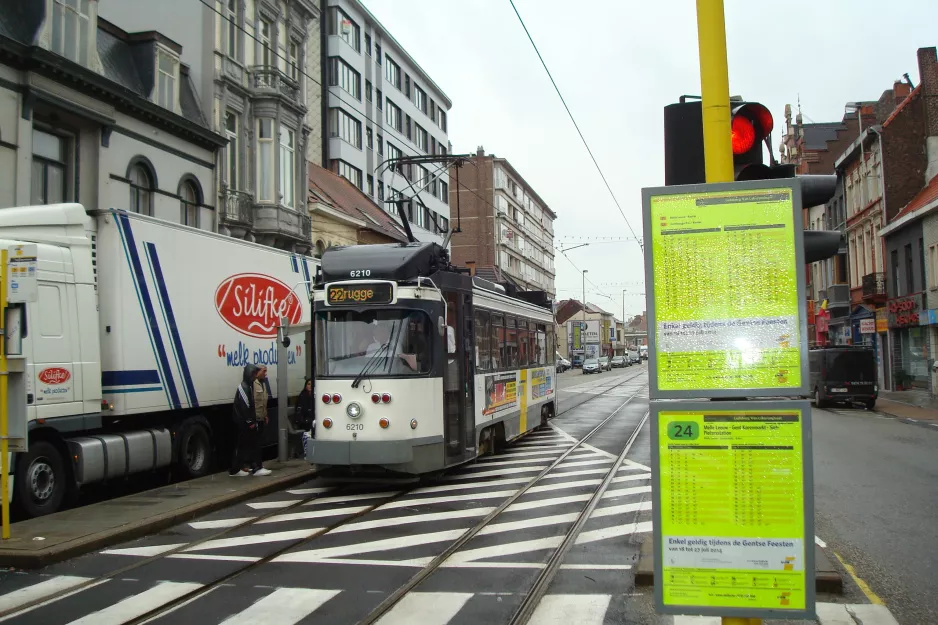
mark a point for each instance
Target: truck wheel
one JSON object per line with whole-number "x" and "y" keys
{"x": 195, "y": 451}
{"x": 818, "y": 402}
{"x": 40, "y": 480}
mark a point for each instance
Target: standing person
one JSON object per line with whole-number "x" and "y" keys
{"x": 303, "y": 419}
{"x": 260, "y": 412}
{"x": 245, "y": 419}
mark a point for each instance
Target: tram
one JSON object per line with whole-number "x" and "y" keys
{"x": 420, "y": 366}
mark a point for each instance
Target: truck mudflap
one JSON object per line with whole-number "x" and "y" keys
{"x": 109, "y": 456}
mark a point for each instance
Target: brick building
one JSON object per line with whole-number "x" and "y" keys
{"x": 506, "y": 228}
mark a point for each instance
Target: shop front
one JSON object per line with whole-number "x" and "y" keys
{"x": 909, "y": 341}
{"x": 863, "y": 326}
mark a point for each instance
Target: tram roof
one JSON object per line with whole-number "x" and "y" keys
{"x": 384, "y": 261}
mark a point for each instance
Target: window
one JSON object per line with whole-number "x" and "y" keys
{"x": 483, "y": 336}
{"x": 407, "y": 127}
{"x": 265, "y": 160}
{"x": 293, "y": 68}
{"x": 189, "y": 204}
{"x": 921, "y": 255}
{"x": 433, "y": 110}
{"x": 442, "y": 115}
{"x": 380, "y": 144}
{"x": 267, "y": 52}
{"x": 281, "y": 58}
{"x": 166, "y": 65}
{"x": 418, "y": 216}
{"x": 368, "y": 94}
{"x": 287, "y": 165}
{"x": 345, "y": 127}
{"x": 393, "y": 73}
{"x": 378, "y": 55}
{"x": 341, "y": 25}
{"x": 380, "y": 190}
{"x": 420, "y": 99}
{"x": 141, "y": 196}
{"x": 933, "y": 266}
{"x": 231, "y": 151}
{"x": 371, "y": 185}
{"x": 444, "y": 192}
{"x": 909, "y": 281}
{"x": 369, "y": 138}
{"x": 444, "y": 224}
{"x": 523, "y": 344}
{"x": 498, "y": 341}
{"x": 394, "y": 154}
{"x": 407, "y": 85}
{"x": 71, "y": 30}
{"x": 342, "y": 75}
{"x": 232, "y": 32}
{"x": 48, "y": 173}
{"x": 368, "y": 44}
{"x": 393, "y": 115}
{"x": 510, "y": 359}
{"x": 347, "y": 171}
{"x": 380, "y": 99}
{"x": 421, "y": 138}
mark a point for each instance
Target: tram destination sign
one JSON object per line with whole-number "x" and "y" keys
{"x": 724, "y": 263}
{"x": 734, "y": 515}
{"x": 353, "y": 294}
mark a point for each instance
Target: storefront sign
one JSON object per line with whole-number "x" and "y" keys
{"x": 928, "y": 317}
{"x": 904, "y": 311}
{"x": 867, "y": 326}
{"x": 727, "y": 290}
{"x": 733, "y": 509}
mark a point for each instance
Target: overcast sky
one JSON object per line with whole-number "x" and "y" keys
{"x": 618, "y": 63}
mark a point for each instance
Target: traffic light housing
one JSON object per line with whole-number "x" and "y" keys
{"x": 751, "y": 123}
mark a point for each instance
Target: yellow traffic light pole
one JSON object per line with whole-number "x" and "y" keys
{"x": 714, "y": 91}
{"x": 717, "y": 131}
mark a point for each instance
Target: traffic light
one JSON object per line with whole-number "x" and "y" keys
{"x": 750, "y": 125}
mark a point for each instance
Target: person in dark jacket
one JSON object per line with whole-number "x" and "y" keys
{"x": 244, "y": 415}
{"x": 303, "y": 419}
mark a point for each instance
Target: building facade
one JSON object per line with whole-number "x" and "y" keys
{"x": 91, "y": 113}
{"x": 504, "y": 223}
{"x": 380, "y": 105}
{"x": 246, "y": 59}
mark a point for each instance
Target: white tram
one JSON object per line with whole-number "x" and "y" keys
{"x": 418, "y": 365}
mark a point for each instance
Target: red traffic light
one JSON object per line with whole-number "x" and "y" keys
{"x": 743, "y": 135}
{"x": 751, "y": 123}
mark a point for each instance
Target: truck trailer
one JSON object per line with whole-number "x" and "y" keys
{"x": 136, "y": 341}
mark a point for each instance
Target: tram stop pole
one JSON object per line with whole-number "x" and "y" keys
{"x": 717, "y": 129}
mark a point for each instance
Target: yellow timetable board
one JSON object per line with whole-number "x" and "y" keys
{"x": 732, "y": 510}
{"x": 725, "y": 290}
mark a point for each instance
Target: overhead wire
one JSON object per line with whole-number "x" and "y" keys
{"x": 575, "y": 125}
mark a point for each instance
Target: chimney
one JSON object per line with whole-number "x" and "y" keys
{"x": 480, "y": 151}
{"x": 928, "y": 77}
{"x": 901, "y": 91}
{"x": 471, "y": 264}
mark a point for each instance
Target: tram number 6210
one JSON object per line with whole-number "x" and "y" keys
{"x": 354, "y": 426}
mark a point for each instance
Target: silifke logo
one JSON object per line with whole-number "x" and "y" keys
{"x": 55, "y": 375}
{"x": 253, "y": 304}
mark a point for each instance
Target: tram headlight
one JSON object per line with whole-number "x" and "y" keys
{"x": 384, "y": 422}
{"x": 354, "y": 410}
{"x": 413, "y": 424}
{"x": 327, "y": 423}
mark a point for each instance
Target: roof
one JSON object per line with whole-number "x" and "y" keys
{"x": 345, "y": 197}
{"x": 902, "y": 105}
{"x": 922, "y": 199}
{"x": 816, "y": 136}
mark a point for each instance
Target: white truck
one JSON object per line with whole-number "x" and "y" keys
{"x": 136, "y": 342}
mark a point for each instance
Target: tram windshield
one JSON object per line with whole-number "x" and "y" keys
{"x": 388, "y": 342}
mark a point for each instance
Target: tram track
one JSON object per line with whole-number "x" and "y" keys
{"x": 233, "y": 530}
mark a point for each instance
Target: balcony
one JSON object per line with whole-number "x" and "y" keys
{"x": 874, "y": 288}
{"x": 837, "y": 296}
{"x": 237, "y": 209}
{"x": 267, "y": 80}
{"x": 282, "y": 227}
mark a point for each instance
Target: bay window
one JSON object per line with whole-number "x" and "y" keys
{"x": 265, "y": 160}
{"x": 231, "y": 150}
{"x": 345, "y": 127}
{"x": 167, "y": 67}
{"x": 72, "y": 34}
{"x": 287, "y": 165}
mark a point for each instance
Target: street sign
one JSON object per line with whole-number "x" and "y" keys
{"x": 725, "y": 267}
{"x": 22, "y": 279}
{"x": 868, "y": 326}
{"x": 733, "y": 508}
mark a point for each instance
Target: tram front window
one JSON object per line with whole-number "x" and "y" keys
{"x": 389, "y": 342}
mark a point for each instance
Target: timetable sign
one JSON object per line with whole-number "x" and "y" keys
{"x": 726, "y": 307}
{"x": 733, "y": 509}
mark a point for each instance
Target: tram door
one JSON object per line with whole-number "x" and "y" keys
{"x": 458, "y": 372}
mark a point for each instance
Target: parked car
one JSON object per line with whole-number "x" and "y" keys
{"x": 577, "y": 362}
{"x": 633, "y": 356}
{"x": 643, "y": 352}
{"x": 591, "y": 365}
{"x": 604, "y": 363}
{"x": 619, "y": 361}
{"x": 843, "y": 374}
{"x": 562, "y": 365}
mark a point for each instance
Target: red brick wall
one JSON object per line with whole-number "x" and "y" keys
{"x": 904, "y": 156}
{"x": 928, "y": 72}
{"x": 474, "y": 195}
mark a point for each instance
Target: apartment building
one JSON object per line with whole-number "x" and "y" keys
{"x": 245, "y": 58}
{"x": 380, "y": 105}
{"x": 96, "y": 114}
{"x": 505, "y": 225}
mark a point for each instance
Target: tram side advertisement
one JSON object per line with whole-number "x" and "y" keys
{"x": 734, "y": 531}
{"x": 501, "y": 392}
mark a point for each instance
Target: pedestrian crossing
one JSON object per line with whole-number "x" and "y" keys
{"x": 231, "y": 605}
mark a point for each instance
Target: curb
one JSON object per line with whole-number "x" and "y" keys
{"x": 86, "y": 544}
{"x": 826, "y": 578}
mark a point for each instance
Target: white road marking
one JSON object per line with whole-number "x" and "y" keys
{"x": 820, "y": 543}
{"x": 407, "y": 503}
{"x": 629, "y": 464}
{"x": 565, "y": 609}
{"x": 632, "y": 477}
{"x": 146, "y": 552}
{"x": 616, "y": 531}
{"x": 507, "y": 471}
{"x": 284, "y": 605}
{"x": 541, "y": 452}
{"x": 568, "y": 474}
{"x": 545, "y": 503}
{"x": 136, "y": 605}
{"x": 504, "y": 463}
{"x": 426, "y": 608}
{"x": 347, "y": 498}
{"x": 310, "y": 491}
{"x": 445, "y": 488}
{"x": 419, "y": 518}
{"x": 312, "y": 514}
{"x": 560, "y": 485}
{"x": 508, "y": 549}
{"x": 386, "y": 544}
{"x": 212, "y": 556}
{"x": 583, "y": 463}
{"x": 60, "y": 583}
{"x": 828, "y": 614}
{"x": 526, "y": 524}
{"x": 697, "y": 620}
{"x": 256, "y": 539}
{"x": 621, "y": 509}
{"x": 272, "y": 505}
{"x": 219, "y": 524}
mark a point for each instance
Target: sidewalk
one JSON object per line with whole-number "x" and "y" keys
{"x": 35, "y": 543}
{"x": 915, "y": 404}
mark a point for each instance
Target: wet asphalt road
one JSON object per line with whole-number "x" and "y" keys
{"x": 876, "y": 498}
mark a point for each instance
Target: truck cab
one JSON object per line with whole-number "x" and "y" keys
{"x": 843, "y": 374}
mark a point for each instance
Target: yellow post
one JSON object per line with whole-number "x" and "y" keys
{"x": 715, "y": 91}
{"x": 4, "y": 429}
